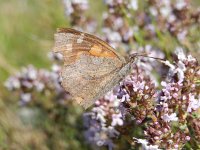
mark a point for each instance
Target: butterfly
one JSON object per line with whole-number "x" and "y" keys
{"x": 91, "y": 66}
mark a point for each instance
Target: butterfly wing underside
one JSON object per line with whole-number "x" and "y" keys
{"x": 88, "y": 81}
{"x": 90, "y": 65}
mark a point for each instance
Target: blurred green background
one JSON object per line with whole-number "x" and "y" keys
{"x": 26, "y": 32}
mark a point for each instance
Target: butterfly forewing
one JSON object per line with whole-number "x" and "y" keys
{"x": 71, "y": 42}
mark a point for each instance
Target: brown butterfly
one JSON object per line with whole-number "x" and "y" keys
{"x": 91, "y": 67}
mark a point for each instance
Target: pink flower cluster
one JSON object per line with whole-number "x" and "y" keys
{"x": 30, "y": 81}
{"x": 138, "y": 101}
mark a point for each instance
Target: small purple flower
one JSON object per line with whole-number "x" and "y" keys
{"x": 100, "y": 114}
{"x": 117, "y": 120}
{"x": 180, "y": 4}
{"x": 146, "y": 145}
{"x": 26, "y": 97}
{"x": 171, "y": 117}
{"x": 138, "y": 85}
{"x": 194, "y": 103}
{"x": 12, "y": 83}
{"x": 134, "y": 4}
{"x": 187, "y": 138}
{"x": 180, "y": 54}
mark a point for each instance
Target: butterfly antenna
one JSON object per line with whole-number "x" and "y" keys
{"x": 145, "y": 55}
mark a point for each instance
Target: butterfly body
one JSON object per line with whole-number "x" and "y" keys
{"x": 91, "y": 67}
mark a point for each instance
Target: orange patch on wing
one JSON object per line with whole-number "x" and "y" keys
{"x": 108, "y": 54}
{"x": 97, "y": 51}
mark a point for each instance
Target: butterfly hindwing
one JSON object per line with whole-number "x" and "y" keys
{"x": 88, "y": 80}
